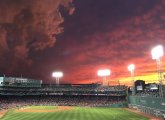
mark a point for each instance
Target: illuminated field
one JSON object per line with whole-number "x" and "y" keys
{"x": 70, "y": 113}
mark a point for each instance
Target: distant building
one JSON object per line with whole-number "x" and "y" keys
{"x": 19, "y": 82}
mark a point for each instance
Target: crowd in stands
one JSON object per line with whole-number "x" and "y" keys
{"x": 19, "y": 101}
{"x": 72, "y": 95}
{"x": 148, "y": 93}
{"x": 111, "y": 88}
{"x": 94, "y": 87}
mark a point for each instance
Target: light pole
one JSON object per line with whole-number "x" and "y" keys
{"x": 104, "y": 73}
{"x": 119, "y": 82}
{"x": 131, "y": 68}
{"x": 57, "y": 75}
{"x": 157, "y": 54}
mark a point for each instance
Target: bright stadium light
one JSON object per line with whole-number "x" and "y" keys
{"x": 157, "y": 54}
{"x": 57, "y": 75}
{"x": 104, "y": 73}
{"x": 131, "y": 68}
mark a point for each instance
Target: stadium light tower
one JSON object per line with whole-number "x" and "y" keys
{"x": 57, "y": 75}
{"x": 131, "y": 68}
{"x": 157, "y": 54}
{"x": 104, "y": 73}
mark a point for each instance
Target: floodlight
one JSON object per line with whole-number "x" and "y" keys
{"x": 57, "y": 74}
{"x": 105, "y": 72}
{"x": 157, "y": 52}
{"x": 131, "y": 67}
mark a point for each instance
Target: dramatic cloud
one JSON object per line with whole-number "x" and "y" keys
{"x": 126, "y": 38}
{"x": 28, "y": 25}
{"x": 100, "y": 34}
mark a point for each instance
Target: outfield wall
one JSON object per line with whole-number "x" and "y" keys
{"x": 148, "y": 104}
{"x": 120, "y": 105}
{"x": 152, "y": 102}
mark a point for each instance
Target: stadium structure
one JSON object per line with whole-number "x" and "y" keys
{"x": 21, "y": 92}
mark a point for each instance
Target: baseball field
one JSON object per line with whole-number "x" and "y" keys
{"x": 70, "y": 113}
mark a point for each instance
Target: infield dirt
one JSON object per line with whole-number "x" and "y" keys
{"x": 59, "y": 108}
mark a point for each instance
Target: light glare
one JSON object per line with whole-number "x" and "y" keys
{"x": 157, "y": 52}
{"x": 131, "y": 67}
{"x": 105, "y": 72}
{"x": 57, "y": 74}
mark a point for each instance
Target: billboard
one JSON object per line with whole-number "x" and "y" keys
{"x": 153, "y": 86}
{"x": 139, "y": 88}
{"x": 1, "y": 81}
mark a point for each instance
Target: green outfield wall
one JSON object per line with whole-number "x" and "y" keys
{"x": 147, "y": 101}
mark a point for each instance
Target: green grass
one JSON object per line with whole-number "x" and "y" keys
{"x": 77, "y": 113}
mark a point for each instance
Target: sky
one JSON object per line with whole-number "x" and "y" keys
{"x": 79, "y": 37}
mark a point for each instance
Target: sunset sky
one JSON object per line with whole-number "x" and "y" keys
{"x": 80, "y": 37}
